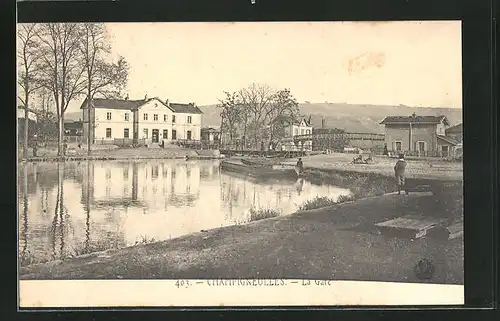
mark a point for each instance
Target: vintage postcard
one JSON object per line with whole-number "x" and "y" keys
{"x": 240, "y": 164}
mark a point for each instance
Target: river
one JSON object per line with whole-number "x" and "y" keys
{"x": 74, "y": 208}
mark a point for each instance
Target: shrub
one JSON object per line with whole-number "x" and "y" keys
{"x": 324, "y": 201}
{"x": 263, "y": 213}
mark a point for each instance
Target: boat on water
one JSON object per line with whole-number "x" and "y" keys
{"x": 259, "y": 167}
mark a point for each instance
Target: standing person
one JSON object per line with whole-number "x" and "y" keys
{"x": 299, "y": 167}
{"x": 399, "y": 172}
{"x": 386, "y": 151}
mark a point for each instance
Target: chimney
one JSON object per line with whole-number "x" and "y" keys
{"x": 322, "y": 123}
{"x": 146, "y": 97}
{"x": 414, "y": 115}
{"x": 167, "y": 102}
{"x": 126, "y": 98}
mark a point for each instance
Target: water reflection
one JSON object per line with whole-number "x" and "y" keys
{"x": 75, "y": 208}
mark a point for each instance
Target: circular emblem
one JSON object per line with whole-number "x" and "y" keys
{"x": 424, "y": 269}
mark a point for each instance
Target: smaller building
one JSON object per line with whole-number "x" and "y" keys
{"x": 418, "y": 135}
{"x": 210, "y": 137}
{"x": 455, "y": 132}
{"x": 21, "y": 123}
{"x": 73, "y": 128}
{"x": 292, "y": 132}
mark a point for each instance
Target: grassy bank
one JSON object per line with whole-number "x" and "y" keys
{"x": 316, "y": 244}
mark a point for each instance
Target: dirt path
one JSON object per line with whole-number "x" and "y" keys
{"x": 329, "y": 243}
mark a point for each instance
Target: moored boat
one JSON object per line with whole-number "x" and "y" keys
{"x": 242, "y": 166}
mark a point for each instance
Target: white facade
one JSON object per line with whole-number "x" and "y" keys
{"x": 31, "y": 115}
{"x": 185, "y": 123}
{"x": 152, "y": 120}
{"x": 298, "y": 129}
{"x": 155, "y": 121}
{"x": 302, "y": 128}
{"x": 112, "y": 123}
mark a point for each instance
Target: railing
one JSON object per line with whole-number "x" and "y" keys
{"x": 340, "y": 136}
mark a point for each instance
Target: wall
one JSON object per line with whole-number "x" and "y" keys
{"x": 117, "y": 123}
{"x": 182, "y": 126}
{"x": 152, "y": 108}
{"x": 401, "y": 133}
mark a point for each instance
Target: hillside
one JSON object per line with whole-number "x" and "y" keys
{"x": 350, "y": 117}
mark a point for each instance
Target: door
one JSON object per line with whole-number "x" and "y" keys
{"x": 444, "y": 151}
{"x": 189, "y": 135}
{"x": 165, "y": 134}
{"x": 155, "y": 135}
{"x": 398, "y": 146}
{"x": 174, "y": 134}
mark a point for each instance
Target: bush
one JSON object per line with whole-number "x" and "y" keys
{"x": 324, "y": 201}
{"x": 260, "y": 214}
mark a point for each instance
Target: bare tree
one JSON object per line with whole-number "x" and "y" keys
{"x": 256, "y": 100}
{"x": 28, "y": 71}
{"x": 230, "y": 108}
{"x": 283, "y": 106}
{"x": 62, "y": 69}
{"x": 47, "y": 120}
{"x": 102, "y": 78}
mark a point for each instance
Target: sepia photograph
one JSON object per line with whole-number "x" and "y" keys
{"x": 240, "y": 163}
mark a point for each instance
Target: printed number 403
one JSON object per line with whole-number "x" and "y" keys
{"x": 182, "y": 283}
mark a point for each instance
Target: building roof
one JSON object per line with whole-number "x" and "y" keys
{"x": 455, "y": 129}
{"x": 210, "y": 129}
{"x": 447, "y": 139}
{"x": 185, "y": 108}
{"x": 124, "y": 104}
{"x": 73, "y": 124}
{"x": 414, "y": 119}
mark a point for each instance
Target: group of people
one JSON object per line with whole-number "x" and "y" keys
{"x": 399, "y": 172}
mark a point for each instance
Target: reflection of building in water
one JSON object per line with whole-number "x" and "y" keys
{"x": 153, "y": 183}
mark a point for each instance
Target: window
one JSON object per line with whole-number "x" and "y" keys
{"x": 189, "y": 119}
{"x": 145, "y": 131}
{"x": 154, "y": 171}
{"x": 296, "y": 131}
{"x": 165, "y": 134}
{"x": 155, "y": 117}
{"x": 164, "y": 117}
{"x": 189, "y": 135}
{"x": 108, "y": 132}
{"x": 126, "y": 117}
{"x": 126, "y": 133}
{"x": 173, "y": 118}
{"x": 398, "y": 146}
{"x": 302, "y": 131}
{"x": 174, "y": 134}
{"x": 145, "y": 116}
{"x": 421, "y": 146}
{"x": 308, "y": 131}
{"x": 108, "y": 115}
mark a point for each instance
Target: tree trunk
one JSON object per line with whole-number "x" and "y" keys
{"x": 26, "y": 127}
{"x": 60, "y": 142}
{"x": 89, "y": 124}
{"x": 221, "y": 130}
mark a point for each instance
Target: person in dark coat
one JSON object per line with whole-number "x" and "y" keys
{"x": 299, "y": 166}
{"x": 386, "y": 151}
{"x": 399, "y": 172}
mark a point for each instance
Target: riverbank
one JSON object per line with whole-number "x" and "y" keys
{"x": 337, "y": 242}
{"x": 416, "y": 169}
{"x": 110, "y": 153}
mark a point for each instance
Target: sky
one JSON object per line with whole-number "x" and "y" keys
{"x": 388, "y": 63}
